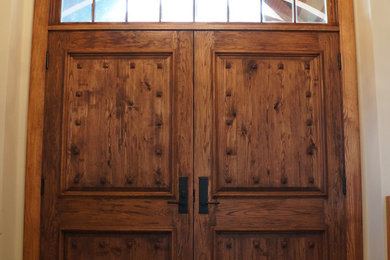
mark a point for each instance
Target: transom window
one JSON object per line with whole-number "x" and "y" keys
{"x": 222, "y": 11}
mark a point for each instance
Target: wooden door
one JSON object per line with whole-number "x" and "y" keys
{"x": 269, "y": 145}
{"x": 117, "y": 144}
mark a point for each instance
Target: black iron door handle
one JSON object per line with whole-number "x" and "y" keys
{"x": 183, "y": 196}
{"x": 204, "y": 196}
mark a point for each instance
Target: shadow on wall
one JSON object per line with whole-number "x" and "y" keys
{"x": 373, "y": 200}
{"x": 16, "y": 21}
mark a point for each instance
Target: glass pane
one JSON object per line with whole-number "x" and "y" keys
{"x": 110, "y": 11}
{"x": 311, "y": 11}
{"x": 177, "y": 10}
{"x": 211, "y": 11}
{"x": 144, "y": 11}
{"x": 277, "y": 11}
{"x": 244, "y": 10}
{"x": 76, "y": 11}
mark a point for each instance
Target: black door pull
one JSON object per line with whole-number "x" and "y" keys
{"x": 204, "y": 196}
{"x": 183, "y": 196}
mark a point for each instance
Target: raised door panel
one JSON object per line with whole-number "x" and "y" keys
{"x": 117, "y": 142}
{"x": 269, "y": 245}
{"x": 117, "y": 246}
{"x": 118, "y": 124}
{"x": 269, "y": 133}
{"x": 270, "y": 141}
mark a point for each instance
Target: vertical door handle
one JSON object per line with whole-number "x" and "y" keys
{"x": 183, "y": 196}
{"x": 204, "y": 196}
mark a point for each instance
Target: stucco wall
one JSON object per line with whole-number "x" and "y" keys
{"x": 373, "y": 39}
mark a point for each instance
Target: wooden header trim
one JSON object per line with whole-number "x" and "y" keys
{"x": 194, "y": 26}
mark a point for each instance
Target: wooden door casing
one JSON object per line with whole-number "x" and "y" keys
{"x": 269, "y": 136}
{"x": 36, "y": 114}
{"x": 117, "y": 137}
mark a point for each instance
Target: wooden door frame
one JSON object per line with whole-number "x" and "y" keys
{"x": 354, "y": 233}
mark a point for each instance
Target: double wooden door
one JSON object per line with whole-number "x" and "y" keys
{"x": 192, "y": 145}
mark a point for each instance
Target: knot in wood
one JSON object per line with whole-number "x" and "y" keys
{"x": 102, "y": 244}
{"x": 75, "y": 150}
{"x": 228, "y": 180}
{"x": 229, "y": 151}
{"x": 130, "y": 244}
{"x": 103, "y": 180}
{"x": 228, "y": 245}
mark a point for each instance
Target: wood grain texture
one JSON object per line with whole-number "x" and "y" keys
{"x": 118, "y": 108}
{"x": 354, "y": 228}
{"x": 203, "y": 139}
{"x": 261, "y": 61}
{"x": 195, "y": 26}
{"x": 269, "y": 122}
{"x": 117, "y": 246}
{"x": 32, "y": 196}
{"x": 263, "y": 245}
{"x": 117, "y": 117}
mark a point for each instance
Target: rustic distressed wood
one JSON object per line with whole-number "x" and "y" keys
{"x": 32, "y": 208}
{"x": 196, "y": 26}
{"x": 268, "y": 245}
{"x": 117, "y": 123}
{"x": 117, "y": 246}
{"x": 269, "y": 122}
{"x": 117, "y": 136}
{"x": 354, "y": 228}
{"x": 269, "y": 88}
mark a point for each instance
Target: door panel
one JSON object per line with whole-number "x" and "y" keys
{"x": 257, "y": 245}
{"x": 117, "y": 246}
{"x": 268, "y": 120}
{"x": 129, "y": 100}
{"x": 117, "y": 137}
{"x": 268, "y": 135}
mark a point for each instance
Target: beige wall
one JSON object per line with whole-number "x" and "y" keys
{"x": 373, "y": 39}
{"x": 15, "y": 31}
